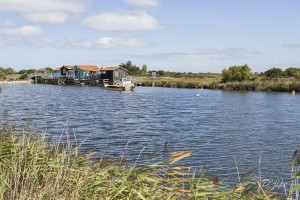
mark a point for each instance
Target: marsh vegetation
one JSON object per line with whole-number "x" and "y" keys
{"x": 33, "y": 167}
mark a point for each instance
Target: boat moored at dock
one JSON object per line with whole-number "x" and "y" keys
{"x": 125, "y": 84}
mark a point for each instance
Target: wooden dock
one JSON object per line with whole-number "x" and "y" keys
{"x": 72, "y": 81}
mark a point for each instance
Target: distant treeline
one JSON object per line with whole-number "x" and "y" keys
{"x": 8, "y": 73}
{"x": 244, "y": 73}
{"x": 234, "y": 73}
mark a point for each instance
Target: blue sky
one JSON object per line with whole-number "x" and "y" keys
{"x": 172, "y": 35}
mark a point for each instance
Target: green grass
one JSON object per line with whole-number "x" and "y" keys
{"x": 210, "y": 82}
{"x": 214, "y": 82}
{"x": 35, "y": 168}
{"x": 13, "y": 76}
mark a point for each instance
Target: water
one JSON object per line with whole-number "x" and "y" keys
{"x": 223, "y": 128}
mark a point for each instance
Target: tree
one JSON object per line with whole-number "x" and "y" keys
{"x": 161, "y": 72}
{"x": 31, "y": 71}
{"x": 291, "y": 71}
{"x": 236, "y": 73}
{"x": 144, "y": 70}
{"x": 49, "y": 69}
{"x": 23, "y": 71}
{"x": 24, "y": 76}
{"x": 273, "y": 73}
{"x": 297, "y": 75}
{"x": 9, "y": 71}
{"x": 132, "y": 69}
{"x": 2, "y": 74}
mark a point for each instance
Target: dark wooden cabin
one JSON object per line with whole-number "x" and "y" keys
{"x": 113, "y": 74}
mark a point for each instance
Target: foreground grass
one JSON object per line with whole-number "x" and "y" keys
{"x": 34, "y": 168}
{"x": 214, "y": 82}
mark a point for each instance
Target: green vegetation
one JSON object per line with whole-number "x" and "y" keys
{"x": 259, "y": 84}
{"x": 236, "y": 73}
{"x": 209, "y": 81}
{"x": 35, "y": 168}
{"x": 133, "y": 69}
{"x": 273, "y": 73}
{"x": 6, "y": 71}
{"x": 233, "y": 78}
{"x": 11, "y": 75}
{"x": 238, "y": 77}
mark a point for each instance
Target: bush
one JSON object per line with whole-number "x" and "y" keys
{"x": 24, "y": 76}
{"x": 236, "y": 73}
{"x": 273, "y": 73}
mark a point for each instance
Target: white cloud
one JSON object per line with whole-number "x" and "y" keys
{"x": 80, "y": 43}
{"x": 215, "y": 53}
{"x": 205, "y": 54}
{"x": 108, "y": 42}
{"x": 44, "y": 11}
{"x": 21, "y": 36}
{"x": 20, "y": 41}
{"x": 291, "y": 46}
{"x": 1, "y": 44}
{"x": 47, "y": 41}
{"x": 24, "y": 31}
{"x": 25, "y": 6}
{"x": 52, "y": 17}
{"x": 144, "y": 2}
{"x": 122, "y": 21}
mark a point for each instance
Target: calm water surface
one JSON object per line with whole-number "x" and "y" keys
{"x": 217, "y": 125}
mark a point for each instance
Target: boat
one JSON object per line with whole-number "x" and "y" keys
{"x": 124, "y": 85}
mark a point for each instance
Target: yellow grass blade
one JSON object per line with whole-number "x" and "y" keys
{"x": 181, "y": 168}
{"x": 179, "y": 190}
{"x": 182, "y": 156}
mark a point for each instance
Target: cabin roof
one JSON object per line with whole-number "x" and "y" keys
{"x": 92, "y": 68}
{"x": 109, "y": 68}
{"x": 57, "y": 69}
{"x": 68, "y": 67}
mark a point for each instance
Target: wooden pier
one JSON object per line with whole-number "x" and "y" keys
{"x": 72, "y": 81}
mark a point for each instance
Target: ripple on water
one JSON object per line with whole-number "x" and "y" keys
{"x": 217, "y": 125}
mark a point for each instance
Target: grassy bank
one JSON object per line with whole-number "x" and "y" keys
{"x": 34, "y": 168}
{"x": 214, "y": 82}
{"x": 211, "y": 82}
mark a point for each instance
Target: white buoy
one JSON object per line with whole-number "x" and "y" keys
{"x": 293, "y": 92}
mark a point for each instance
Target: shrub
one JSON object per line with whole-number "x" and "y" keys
{"x": 273, "y": 73}
{"x": 236, "y": 73}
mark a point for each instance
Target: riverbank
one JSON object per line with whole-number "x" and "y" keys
{"x": 210, "y": 82}
{"x": 32, "y": 167}
{"x": 259, "y": 84}
{"x": 16, "y": 82}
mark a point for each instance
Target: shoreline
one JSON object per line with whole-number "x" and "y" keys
{"x": 16, "y": 82}
{"x": 275, "y": 85}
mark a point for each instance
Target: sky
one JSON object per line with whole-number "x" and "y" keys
{"x": 170, "y": 35}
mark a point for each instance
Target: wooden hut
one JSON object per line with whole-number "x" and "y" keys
{"x": 56, "y": 72}
{"x": 82, "y": 72}
{"x": 153, "y": 74}
{"x": 113, "y": 74}
{"x": 65, "y": 71}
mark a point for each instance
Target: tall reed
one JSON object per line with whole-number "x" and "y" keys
{"x": 32, "y": 167}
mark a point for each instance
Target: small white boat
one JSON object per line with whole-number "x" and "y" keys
{"x": 124, "y": 85}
